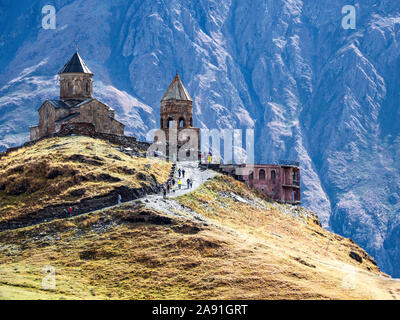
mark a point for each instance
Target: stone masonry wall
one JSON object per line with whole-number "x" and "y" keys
{"x": 176, "y": 110}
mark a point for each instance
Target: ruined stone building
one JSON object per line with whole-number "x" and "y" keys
{"x": 76, "y": 104}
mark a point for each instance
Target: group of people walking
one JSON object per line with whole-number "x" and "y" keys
{"x": 171, "y": 184}
{"x": 166, "y": 188}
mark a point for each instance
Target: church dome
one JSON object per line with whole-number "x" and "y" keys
{"x": 177, "y": 91}
{"x": 75, "y": 65}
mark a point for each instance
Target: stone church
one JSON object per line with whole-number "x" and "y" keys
{"x": 76, "y": 104}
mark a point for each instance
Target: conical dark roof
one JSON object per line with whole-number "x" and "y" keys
{"x": 75, "y": 65}
{"x": 176, "y": 90}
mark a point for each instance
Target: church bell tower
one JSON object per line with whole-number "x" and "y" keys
{"x": 76, "y": 80}
{"x": 176, "y": 106}
{"x": 177, "y": 113}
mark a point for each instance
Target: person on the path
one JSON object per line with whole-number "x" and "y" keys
{"x": 187, "y": 183}
{"x": 119, "y": 199}
{"x": 168, "y": 187}
{"x": 70, "y": 212}
{"x": 179, "y": 183}
{"x": 183, "y": 173}
{"x": 164, "y": 192}
{"x": 179, "y": 172}
{"x": 173, "y": 182}
{"x": 191, "y": 183}
{"x": 66, "y": 212}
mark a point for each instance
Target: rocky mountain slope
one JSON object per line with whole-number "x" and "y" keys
{"x": 312, "y": 90}
{"x": 220, "y": 241}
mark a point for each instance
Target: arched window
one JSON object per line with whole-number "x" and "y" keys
{"x": 69, "y": 88}
{"x": 181, "y": 122}
{"x": 273, "y": 174}
{"x": 77, "y": 86}
{"x": 170, "y": 123}
{"x": 261, "y": 174}
{"x": 87, "y": 87}
{"x": 251, "y": 176}
{"x": 191, "y": 122}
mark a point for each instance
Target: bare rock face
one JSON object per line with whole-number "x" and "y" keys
{"x": 312, "y": 90}
{"x": 355, "y": 256}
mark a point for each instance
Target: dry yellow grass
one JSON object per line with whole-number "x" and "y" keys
{"x": 298, "y": 248}
{"x": 250, "y": 250}
{"x": 66, "y": 170}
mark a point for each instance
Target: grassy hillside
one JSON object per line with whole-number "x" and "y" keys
{"x": 67, "y": 170}
{"x": 221, "y": 241}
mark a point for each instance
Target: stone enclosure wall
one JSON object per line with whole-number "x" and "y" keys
{"x": 87, "y": 129}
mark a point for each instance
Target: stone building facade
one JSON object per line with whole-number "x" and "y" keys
{"x": 279, "y": 182}
{"x": 76, "y": 104}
